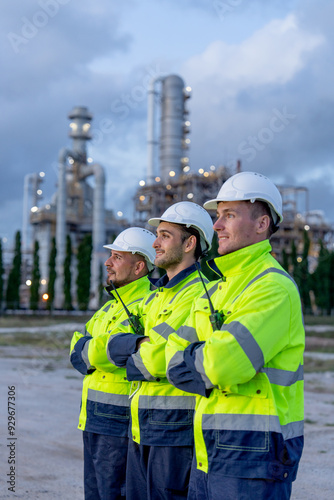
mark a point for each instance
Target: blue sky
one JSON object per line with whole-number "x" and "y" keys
{"x": 261, "y": 74}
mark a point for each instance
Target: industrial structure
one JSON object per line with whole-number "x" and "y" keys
{"x": 297, "y": 219}
{"x": 169, "y": 176}
{"x": 171, "y": 179}
{"x": 77, "y": 208}
{"x": 170, "y": 99}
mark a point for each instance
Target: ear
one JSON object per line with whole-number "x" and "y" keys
{"x": 190, "y": 243}
{"x": 139, "y": 266}
{"x": 263, "y": 223}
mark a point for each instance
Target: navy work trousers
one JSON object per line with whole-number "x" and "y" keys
{"x": 104, "y": 466}
{"x": 157, "y": 472}
{"x": 214, "y": 486}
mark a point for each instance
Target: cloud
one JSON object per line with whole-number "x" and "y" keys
{"x": 266, "y": 101}
{"x": 272, "y": 55}
{"x": 99, "y": 55}
{"x": 48, "y": 48}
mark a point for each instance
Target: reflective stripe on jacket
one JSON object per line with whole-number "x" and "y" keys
{"x": 161, "y": 415}
{"x": 105, "y": 405}
{"x": 249, "y": 374}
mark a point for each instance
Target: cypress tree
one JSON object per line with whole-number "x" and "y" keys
{"x": 1, "y": 276}
{"x": 35, "y": 279}
{"x": 84, "y": 274}
{"x": 101, "y": 285}
{"x": 321, "y": 280}
{"x": 304, "y": 275}
{"x": 285, "y": 260}
{"x": 67, "y": 275}
{"x": 331, "y": 283}
{"x": 14, "y": 278}
{"x": 52, "y": 274}
{"x": 294, "y": 262}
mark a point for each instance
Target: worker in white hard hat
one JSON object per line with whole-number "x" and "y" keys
{"x": 105, "y": 407}
{"x": 246, "y": 366}
{"x": 161, "y": 444}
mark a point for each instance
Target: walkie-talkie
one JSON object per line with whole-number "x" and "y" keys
{"x": 133, "y": 319}
{"x": 216, "y": 318}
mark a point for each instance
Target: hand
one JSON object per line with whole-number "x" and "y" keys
{"x": 144, "y": 339}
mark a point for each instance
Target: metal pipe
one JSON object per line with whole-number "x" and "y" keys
{"x": 152, "y": 141}
{"x": 98, "y": 254}
{"x": 172, "y": 127}
{"x": 26, "y": 213}
{"x": 61, "y": 228}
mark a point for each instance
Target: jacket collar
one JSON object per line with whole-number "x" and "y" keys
{"x": 124, "y": 290}
{"x": 164, "y": 282}
{"x": 237, "y": 262}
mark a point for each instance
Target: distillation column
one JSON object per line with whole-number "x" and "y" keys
{"x": 173, "y": 127}
{"x": 80, "y": 125}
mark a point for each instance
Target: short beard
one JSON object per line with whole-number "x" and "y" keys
{"x": 119, "y": 284}
{"x": 173, "y": 259}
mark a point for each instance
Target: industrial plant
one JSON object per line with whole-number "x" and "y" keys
{"x": 78, "y": 208}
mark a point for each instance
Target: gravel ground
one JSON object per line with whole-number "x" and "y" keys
{"x": 48, "y": 448}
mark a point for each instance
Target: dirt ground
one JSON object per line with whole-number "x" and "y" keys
{"x": 48, "y": 448}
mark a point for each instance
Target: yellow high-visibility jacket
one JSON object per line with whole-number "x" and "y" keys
{"x": 161, "y": 415}
{"x": 105, "y": 405}
{"x": 249, "y": 373}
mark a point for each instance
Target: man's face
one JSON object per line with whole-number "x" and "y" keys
{"x": 121, "y": 268}
{"x": 235, "y": 227}
{"x": 168, "y": 246}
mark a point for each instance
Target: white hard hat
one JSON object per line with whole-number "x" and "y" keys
{"x": 135, "y": 240}
{"x": 250, "y": 186}
{"x": 189, "y": 214}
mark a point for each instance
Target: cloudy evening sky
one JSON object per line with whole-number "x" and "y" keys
{"x": 261, "y": 73}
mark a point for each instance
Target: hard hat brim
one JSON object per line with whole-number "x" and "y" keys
{"x": 211, "y": 204}
{"x": 116, "y": 247}
{"x": 155, "y": 221}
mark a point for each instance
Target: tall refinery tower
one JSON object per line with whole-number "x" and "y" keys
{"x": 77, "y": 208}
{"x": 74, "y": 201}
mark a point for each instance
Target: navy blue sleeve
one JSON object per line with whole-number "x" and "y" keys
{"x": 136, "y": 370}
{"x": 79, "y": 357}
{"x": 121, "y": 346}
{"x": 182, "y": 372}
